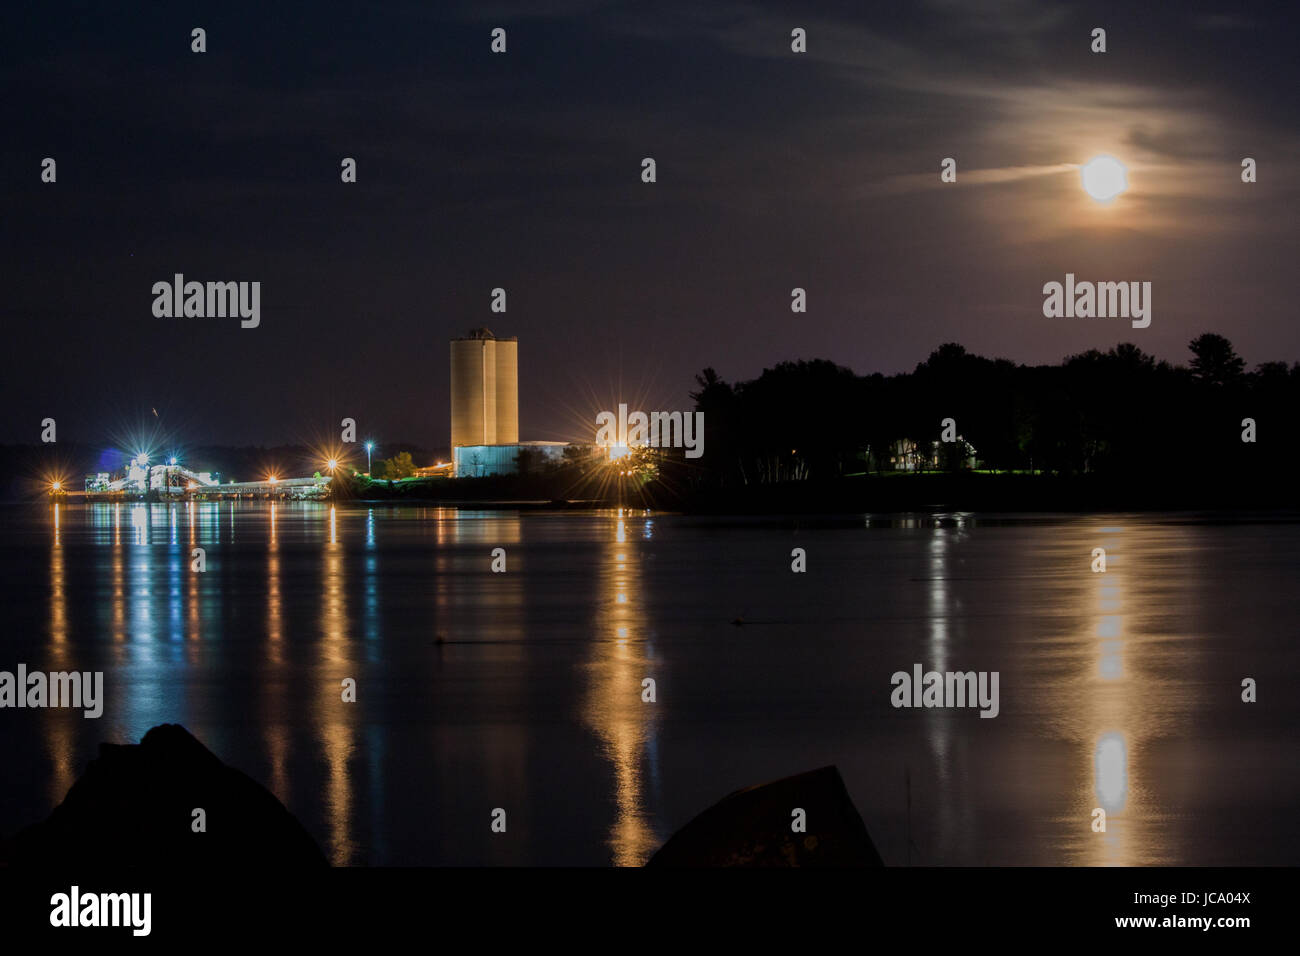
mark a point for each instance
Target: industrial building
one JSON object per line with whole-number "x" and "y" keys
{"x": 140, "y": 477}
{"x": 484, "y": 389}
{"x": 485, "y": 413}
{"x": 477, "y": 461}
{"x": 485, "y": 405}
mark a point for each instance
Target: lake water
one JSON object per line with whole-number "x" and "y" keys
{"x": 1119, "y": 690}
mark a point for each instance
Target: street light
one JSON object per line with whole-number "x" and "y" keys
{"x": 370, "y": 446}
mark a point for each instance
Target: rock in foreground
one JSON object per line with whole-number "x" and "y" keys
{"x": 752, "y": 828}
{"x": 133, "y": 806}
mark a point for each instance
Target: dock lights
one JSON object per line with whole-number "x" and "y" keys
{"x": 272, "y": 479}
{"x": 370, "y": 446}
{"x": 332, "y": 464}
{"x": 56, "y": 485}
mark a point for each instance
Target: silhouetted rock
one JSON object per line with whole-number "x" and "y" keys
{"x": 133, "y": 806}
{"x": 752, "y": 827}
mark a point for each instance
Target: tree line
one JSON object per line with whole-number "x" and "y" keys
{"x": 1113, "y": 412}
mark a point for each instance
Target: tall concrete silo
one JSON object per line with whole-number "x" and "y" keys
{"x": 507, "y": 391}
{"x": 484, "y": 389}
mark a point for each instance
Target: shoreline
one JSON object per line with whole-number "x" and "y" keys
{"x": 860, "y": 495}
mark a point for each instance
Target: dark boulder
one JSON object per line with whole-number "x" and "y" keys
{"x": 752, "y": 827}
{"x": 133, "y": 806}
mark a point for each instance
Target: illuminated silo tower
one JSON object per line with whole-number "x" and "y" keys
{"x": 484, "y": 389}
{"x": 507, "y": 391}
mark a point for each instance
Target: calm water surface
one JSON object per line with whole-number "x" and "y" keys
{"x": 1118, "y": 690}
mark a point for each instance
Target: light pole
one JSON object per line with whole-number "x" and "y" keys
{"x": 370, "y": 446}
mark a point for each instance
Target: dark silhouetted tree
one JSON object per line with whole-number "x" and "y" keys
{"x": 1214, "y": 362}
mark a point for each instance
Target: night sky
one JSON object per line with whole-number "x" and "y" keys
{"x": 522, "y": 170}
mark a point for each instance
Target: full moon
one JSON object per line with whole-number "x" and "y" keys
{"x": 1104, "y": 178}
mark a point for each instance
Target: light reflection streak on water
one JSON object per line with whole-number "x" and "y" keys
{"x": 274, "y": 681}
{"x": 1110, "y": 706}
{"x": 622, "y": 654}
{"x": 175, "y": 605}
{"x": 194, "y": 594}
{"x": 334, "y": 717}
{"x": 59, "y": 729}
{"x": 274, "y": 607}
{"x": 370, "y": 586}
{"x": 953, "y": 824}
{"x": 937, "y": 659}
